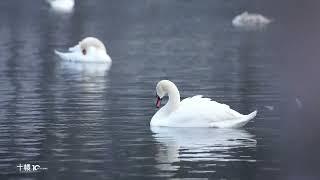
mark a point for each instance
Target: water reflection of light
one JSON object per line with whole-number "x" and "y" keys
{"x": 200, "y": 144}
{"x": 80, "y": 93}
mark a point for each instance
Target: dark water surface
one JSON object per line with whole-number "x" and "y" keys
{"x": 83, "y": 122}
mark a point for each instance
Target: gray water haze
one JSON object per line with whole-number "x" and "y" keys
{"x": 85, "y": 122}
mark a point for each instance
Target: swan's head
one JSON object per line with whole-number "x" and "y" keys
{"x": 92, "y": 48}
{"x": 163, "y": 87}
{"x": 91, "y": 43}
{"x": 88, "y": 50}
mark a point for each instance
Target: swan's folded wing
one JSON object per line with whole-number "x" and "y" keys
{"x": 198, "y": 111}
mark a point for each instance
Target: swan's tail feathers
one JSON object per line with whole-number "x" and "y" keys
{"x": 252, "y": 115}
{"x": 64, "y": 56}
{"x": 75, "y": 48}
{"x": 60, "y": 54}
{"x": 57, "y": 52}
{"x": 245, "y": 119}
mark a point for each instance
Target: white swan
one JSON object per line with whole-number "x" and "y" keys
{"x": 89, "y": 50}
{"x": 250, "y": 20}
{"x": 194, "y": 111}
{"x": 62, "y": 5}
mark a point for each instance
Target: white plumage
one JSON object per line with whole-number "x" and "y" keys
{"x": 195, "y": 111}
{"x": 62, "y": 5}
{"x": 250, "y": 20}
{"x": 89, "y": 50}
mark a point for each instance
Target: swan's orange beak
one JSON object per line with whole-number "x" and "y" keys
{"x": 158, "y": 103}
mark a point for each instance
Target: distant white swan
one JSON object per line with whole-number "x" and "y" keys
{"x": 89, "y": 50}
{"x": 250, "y": 20}
{"x": 61, "y": 5}
{"x": 194, "y": 111}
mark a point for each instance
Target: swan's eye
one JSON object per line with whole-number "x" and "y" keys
{"x": 84, "y": 52}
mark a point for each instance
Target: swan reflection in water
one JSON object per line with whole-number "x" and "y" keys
{"x": 89, "y": 78}
{"x": 85, "y": 86}
{"x": 200, "y": 144}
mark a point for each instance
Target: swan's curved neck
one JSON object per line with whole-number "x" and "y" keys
{"x": 174, "y": 98}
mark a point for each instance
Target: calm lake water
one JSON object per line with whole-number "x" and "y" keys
{"x": 84, "y": 122}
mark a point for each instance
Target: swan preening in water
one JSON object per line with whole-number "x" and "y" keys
{"x": 250, "y": 20}
{"x": 61, "y": 5}
{"x": 89, "y": 50}
{"x": 194, "y": 111}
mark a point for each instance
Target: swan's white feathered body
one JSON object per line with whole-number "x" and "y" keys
{"x": 89, "y": 50}
{"x": 250, "y": 20}
{"x": 61, "y": 5}
{"x": 195, "y": 111}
